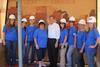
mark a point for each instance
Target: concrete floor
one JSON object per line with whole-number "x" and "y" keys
{"x": 36, "y": 65}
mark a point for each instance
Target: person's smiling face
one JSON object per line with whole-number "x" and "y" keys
{"x": 12, "y": 21}
{"x": 32, "y": 21}
{"x": 90, "y": 25}
{"x": 41, "y": 25}
{"x": 51, "y": 20}
{"x": 62, "y": 25}
{"x": 23, "y": 24}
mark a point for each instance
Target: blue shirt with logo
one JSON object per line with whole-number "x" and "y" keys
{"x": 91, "y": 39}
{"x": 63, "y": 33}
{"x": 41, "y": 36}
{"x": 71, "y": 34}
{"x": 30, "y": 32}
{"x": 10, "y": 34}
{"x": 80, "y": 38}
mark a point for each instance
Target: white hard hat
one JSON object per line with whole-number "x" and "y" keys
{"x": 72, "y": 18}
{"x": 41, "y": 21}
{"x": 12, "y": 16}
{"x": 63, "y": 20}
{"x": 24, "y": 20}
{"x": 91, "y": 19}
{"x": 82, "y": 21}
{"x": 32, "y": 17}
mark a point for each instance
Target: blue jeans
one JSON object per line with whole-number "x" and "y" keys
{"x": 28, "y": 49}
{"x": 70, "y": 56}
{"x": 90, "y": 58}
{"x": 11, "y": 52}
{"x": 23, "y": 52}
{"x": 80, "y": 58}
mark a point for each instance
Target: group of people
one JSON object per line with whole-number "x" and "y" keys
{"x": 56, "y": 38}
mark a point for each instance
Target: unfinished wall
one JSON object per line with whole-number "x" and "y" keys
{"x": 73, "y": 7}
{"x": 2, "y": 15}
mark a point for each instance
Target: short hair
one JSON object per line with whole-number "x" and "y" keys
{"x": 52, "y": 17}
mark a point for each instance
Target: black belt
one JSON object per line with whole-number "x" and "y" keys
{"x": 52, "y": 38}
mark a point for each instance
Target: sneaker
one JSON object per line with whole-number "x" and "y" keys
{"x": 44, "y": 65}
{"x": 40, "y": 65}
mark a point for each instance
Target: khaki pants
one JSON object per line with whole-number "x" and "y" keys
{"x": 62, "y": 56}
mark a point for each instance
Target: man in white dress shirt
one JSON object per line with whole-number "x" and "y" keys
{"x": 53, "y": 37}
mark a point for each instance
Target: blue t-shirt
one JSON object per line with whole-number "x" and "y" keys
{"x": 63, "y": 33}
{"x": 80, "y": 38}
{"x": 71, "y": 33}
{"x": 23, "y": 34}
{"x": 30, "y": 32}
{"x": 91, "y": 39}
{"x": 10, "y": 34}
{"x": 41, "y": 36}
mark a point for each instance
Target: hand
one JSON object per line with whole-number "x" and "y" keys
{"x": 65, "y": 45}
{"x": 56, "y": 45}
{"x": 4, "y": 43}
{"x": 25, "y": 44}
{"x": 92, "y": 46}
{"x": 62, "y": 46}
{"x": 37, "y": 47}
{"x": 81, "y": 51}
{"x": 74, "y": 46}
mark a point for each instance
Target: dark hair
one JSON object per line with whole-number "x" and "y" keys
{"x": 8, "y": 24}
{"x": 64, "y": 26}
{"x": 41, "y": 23}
